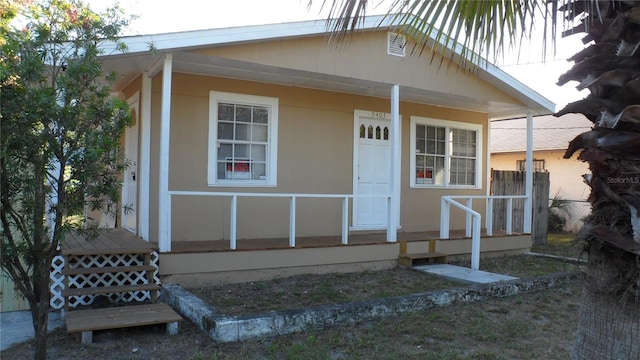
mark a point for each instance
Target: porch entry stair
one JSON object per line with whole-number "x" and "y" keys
{"x": 115, "y": 268}
{"x": 411, "y": 259}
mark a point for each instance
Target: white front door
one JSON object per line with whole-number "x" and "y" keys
{"x": 130, "y": 186}
{"x": 372, "y": 169}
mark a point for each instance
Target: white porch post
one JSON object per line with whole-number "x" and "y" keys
{"x": 164, "y": 200}
{"x": 394, "y": 208}
{"x": 145, "y": 154}
{"x": 528, "y": 202}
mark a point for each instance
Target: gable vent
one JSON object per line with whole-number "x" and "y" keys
{"x": 396, "y": 44}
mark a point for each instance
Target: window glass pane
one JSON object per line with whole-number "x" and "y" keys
{"x": 259, "y": 152}
{"x": 386, "y": 133}
{"x": 243, "y": 113}
{"x": 241, "y": 151}
{"x": 370, "y": 132}
{"x": 260, "y": 115}
{"x": 420, "y": 131}
{"x": 463, "y": 142}
{"x": 225, "y": 130}
{"x": 471, "y": 178}
{"x": 243, "y": 132}
{"x": 225, "y": 151}
{"x": 259, "y": 133}
{"x": 431, "y": 133}
{"x": 259, "y": 171}
{"x": 421, "y": 146}
{"x": 431, "y": 147}
{"x": 440, "y": 133}
{"x": 362, "y": 132}
{"x": 225, "y": 111}
{"x": 438, "y": 169}
{"x": 378, "y": 133}
{"x": 222, "y": 174}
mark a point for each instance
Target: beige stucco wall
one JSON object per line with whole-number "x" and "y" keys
{"x": 315, "y": 155}
{"x": 364, "y": 56}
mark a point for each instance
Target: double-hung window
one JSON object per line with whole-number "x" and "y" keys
{"x": 242, "y": 139}
{"x": 446, "y": 153}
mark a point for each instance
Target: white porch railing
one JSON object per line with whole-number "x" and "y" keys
{"x": 473, "y": 219}
{"x": 391, "y": 232}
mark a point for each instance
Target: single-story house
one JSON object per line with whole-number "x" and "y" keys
{"x": 267, "y": 150}
{"x": 551, "y": 137}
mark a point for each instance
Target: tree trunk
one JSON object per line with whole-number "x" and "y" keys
{"x": 609, "y": 324}
{"x": 39, "y": 307}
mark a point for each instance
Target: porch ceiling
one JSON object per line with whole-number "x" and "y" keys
{"x": 129, "y": 66}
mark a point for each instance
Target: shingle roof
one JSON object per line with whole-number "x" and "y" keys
{"x": 549, "y": 132}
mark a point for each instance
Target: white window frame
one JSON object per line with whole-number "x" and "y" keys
{"x": 417, "y": 120}
{"x": 216, "y": 97}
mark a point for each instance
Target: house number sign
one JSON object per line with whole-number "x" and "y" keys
{"x": 378, "y": 115}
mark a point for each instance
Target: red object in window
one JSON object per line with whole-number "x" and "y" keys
{"x": 238, "y": 167}
{"x": 425, "y": 174}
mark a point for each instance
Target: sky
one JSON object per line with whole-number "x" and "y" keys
{"x": 160, "y": 16}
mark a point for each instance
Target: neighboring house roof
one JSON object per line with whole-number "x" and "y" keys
{"x": 549, "y": 132}
{"x": 145, "y": 52}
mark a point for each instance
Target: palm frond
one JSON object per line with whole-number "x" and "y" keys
{"x": 458, "y": 29}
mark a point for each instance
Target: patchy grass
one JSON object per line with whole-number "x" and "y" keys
{"x": 531, "y": 326}
{"x": 524, "y": 266}
{"x": 302, "y": 291}
{"x": 562, "y": 244}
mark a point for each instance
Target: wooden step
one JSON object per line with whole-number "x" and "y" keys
{"x": 87, "y": 321}
{"x": 410, "y": 259}
{"x": 107, "y": 269}
{"x": 109, "y": 289}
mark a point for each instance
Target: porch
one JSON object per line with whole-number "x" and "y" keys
{"x": 355, "y": 239}
{"x": 202, "y": 263}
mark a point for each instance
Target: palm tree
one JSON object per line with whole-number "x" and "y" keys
{"x": 609, "y": 320}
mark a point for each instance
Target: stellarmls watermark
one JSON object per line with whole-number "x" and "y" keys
{"x": 623, "y": 180}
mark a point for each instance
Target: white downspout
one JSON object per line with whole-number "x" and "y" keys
{"x": 394, "y": 208}
{"x": 528, "y": 203}
{"x": 164, "y": 199}
{"x": 145, "y": 155}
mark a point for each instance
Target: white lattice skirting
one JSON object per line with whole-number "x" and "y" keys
{"x": 101, "y": 279}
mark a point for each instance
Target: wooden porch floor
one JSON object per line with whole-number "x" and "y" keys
{"x": 181, "y": 247}
{"x": 114, "y": 241}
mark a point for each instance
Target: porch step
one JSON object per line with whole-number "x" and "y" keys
{"x": 109, "y": 289}
{"x": 409, "y": 260}
{"x": 106, "y": 269}
{"x": 87, "y": 321}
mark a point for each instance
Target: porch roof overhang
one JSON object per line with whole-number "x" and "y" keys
{"x": 145, "y": 54}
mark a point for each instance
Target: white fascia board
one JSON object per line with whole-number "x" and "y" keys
{"x": 197, "y": 38}
{"x": 521, "y": 88}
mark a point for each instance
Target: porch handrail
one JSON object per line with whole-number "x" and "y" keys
{"x": 292, "y": 211}
{"x": 473, "y": 219}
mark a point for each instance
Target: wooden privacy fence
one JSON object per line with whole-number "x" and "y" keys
{"x": 513, "y": 183}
